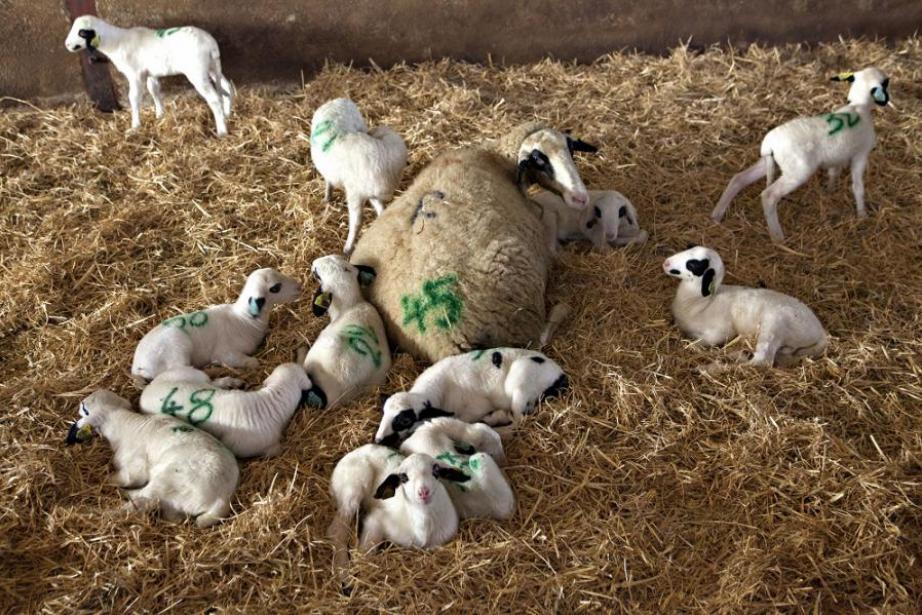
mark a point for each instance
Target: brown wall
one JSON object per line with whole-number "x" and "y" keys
{"x": 273, "y": 40}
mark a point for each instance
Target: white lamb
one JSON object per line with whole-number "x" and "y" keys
{"x": 474, "y": 450}
{"x": 365, "y": 163}
{"x": 145, "y": 55}
{"x": 401, "y": 498}
{"x": 609, "y": 218}
{"x": 161, "y": 462}
{"x": 224, "y": 334}
{"x": 785, "y": 329}
{"x": 829, "y": 141}
{"x": 483, "y": 385}
{"x": 351, "y": 353}
{"x": 249, "y": 423}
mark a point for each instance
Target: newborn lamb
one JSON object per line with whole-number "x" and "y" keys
{"x": 784, "y": 328}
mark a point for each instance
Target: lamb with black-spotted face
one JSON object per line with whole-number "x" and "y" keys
{"x": 545, "y": 157}
{"x": 610, "y": 219}
{"x": 783, "y": 328}
{"x": 496, "y": 386}
{"x": 351, "y": 354}
{"x": 223, "y": 334}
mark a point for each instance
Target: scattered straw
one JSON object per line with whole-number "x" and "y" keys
{"x": 649, "y": 488}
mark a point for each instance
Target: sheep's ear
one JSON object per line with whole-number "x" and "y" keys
{"x": 452, "y": 474}
{"x": 367, "y": 275}
{"x": 430, "y": 412}
{"x": 850, "y": 77}
{"x": 578, "y": 145}
{"x": 388, "y": 488}
{"x": 523, "y": 172}
{"x": 707, "y": 283}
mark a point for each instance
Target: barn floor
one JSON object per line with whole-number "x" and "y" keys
{"x": 648, "y": 488}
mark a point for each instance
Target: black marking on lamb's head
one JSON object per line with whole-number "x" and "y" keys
{"x": 560, "y": 385}
{"x": 538, "y": 360}
{"x": 391, "y": 440}
{"x": 497, "y": 359}
{"x": 578, "y": 145}
{"x": 404, "y": 420}
{"x": 674, "y": 272}
{"x": 452, "y": 474}
{"x": 697, "y": 266}
{"x": 622, "y": 211}
{"x": 87, "y": 34}
{"x": 591, "y": 223}
{"x": 597, "y": 211}
{"x": 531, "y": 167}
{"x": 463, "y": 448}
{"x": 388, "y": 487}
{"x": 72, "y": 434}
{"x": 431, "y": 412}
{"x": 707, "y": 281}
{"x": 313, "y": 397}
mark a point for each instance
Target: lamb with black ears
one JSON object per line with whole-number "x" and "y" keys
{"x": 224, "y": 334}
{"x": 785, "y": 329}
{"x": 493, "y": 386}
{"x": 351, "y": 353}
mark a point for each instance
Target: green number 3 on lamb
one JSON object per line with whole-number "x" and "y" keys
{"x": 364, "y": 341}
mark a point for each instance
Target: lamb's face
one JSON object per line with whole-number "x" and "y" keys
{"x": 546, "y": 157}
{"x": 291, "y": 373}
{"x": 417, "y": 480}
{"x": 93, "y": 412}
{"x": 403, "y": 412}
{"x": 83, "y": 34}
{"x": 542, "y": 379}
{"x": 337, "y": 277}
{"x": 267, "y": 287}
{"x": 698, "y": 265}
{"x": 868, "y": 85}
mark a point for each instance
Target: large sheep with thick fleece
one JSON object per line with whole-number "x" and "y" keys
{"x": 161, "y": 462}
{"x": 462, "y": 257}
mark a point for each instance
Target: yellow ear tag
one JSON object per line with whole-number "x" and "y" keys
{"x": 84, "y": 433}
{"x": 95, "y": 42}
{"x": 711, "y": 287}
{"x": 845, "y": 76}
{"x": 322, "y": 300}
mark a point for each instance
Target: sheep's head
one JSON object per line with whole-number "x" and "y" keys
{"x": 84, "y": 34}
{"x": 338, "y": 277}
{"x": 534, "y": 378}
{"x": 267, "y": 287}
{"x": 93, "y": 412}
{"x": 417, "y": 480}
{"x": 699, "y": 266}
{"x": 546, "y": 157}
{"x": 868, "y": 85}
{"x": 288, "y": 373}
{"x": 403, "y": 412}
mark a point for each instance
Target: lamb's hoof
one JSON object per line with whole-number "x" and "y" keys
{"x": 862, "y": 215}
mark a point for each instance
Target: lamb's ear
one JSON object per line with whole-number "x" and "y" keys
{"x": 522, "y": 174}
{"x": 430, "y": 412}
{"x": 452, "y": 474}
{"x": 850, "y": 77}
{"x": 388, "y": 488}
{"x": 367, "y": 275}
{"x": 707, "y": 283}
{"x": 578, "y": 145}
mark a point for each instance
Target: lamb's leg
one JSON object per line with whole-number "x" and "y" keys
{"x": 832, "y": 177}
{"x": 739, "y": 181}
{"x": 327, "y": 191}
{"x": 372, "y": 534}
{"x": 766, "y": 347}
{"x": 857, "y": 171}
{"x": 206, "y": 89}
{"x": 626, "y": 240}
{"x": 782, "y": 187}
{"x": 550, "y": 227}
{"x": 355, "y": 221}
{"x": 225, "y": 89}
{"x": 218, "y": 511}
{"x": 228, "y": 382}
{"x": 232, "y": 358}
{"x": 378, "y": 205}
{"x": 134, "y": 100}
{"x": 129, "y": 477}
{"x": 153, "y": 86}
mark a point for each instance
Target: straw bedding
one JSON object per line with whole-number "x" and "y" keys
{"x": 648, "y": 488}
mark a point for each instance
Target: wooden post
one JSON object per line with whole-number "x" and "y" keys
{"x": 96, "y": 77}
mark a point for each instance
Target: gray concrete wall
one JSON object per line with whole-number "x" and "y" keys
{"x": 274, "y": 40}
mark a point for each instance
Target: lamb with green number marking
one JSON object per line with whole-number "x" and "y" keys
{"x": 143, "y": 56}
{"x": 802, "y": 146}
{"x": 496, "y": 386}
{"x": 249, "y": 423}
{"x": 161, "y": 462}
{"x": 474, "y": 449}
{"x": 223, "y": 334}
{"x": 351, "y": 354}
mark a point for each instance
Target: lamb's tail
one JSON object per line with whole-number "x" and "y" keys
{"x": 769, "y": 161}
{"x": 558, "y": 314}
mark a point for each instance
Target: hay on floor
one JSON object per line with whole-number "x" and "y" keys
{"x": 649, "y": 488}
